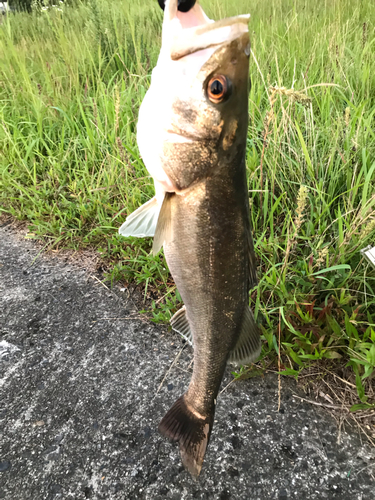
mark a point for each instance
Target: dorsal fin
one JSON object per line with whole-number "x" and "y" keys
{"x": 248, "y": 345}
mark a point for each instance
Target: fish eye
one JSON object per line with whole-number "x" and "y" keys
{"x": 218, "y": 89}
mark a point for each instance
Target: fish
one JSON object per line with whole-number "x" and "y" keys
{"x": 191, "y": 132}
{"x": 183, "y": 5}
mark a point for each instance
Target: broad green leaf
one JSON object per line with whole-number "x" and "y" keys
{"x": 289, "y": 371}
{"x": 332, "y": 355}
{"x": 368, "y": 371}
{"x": 295, "y": 358}
{"x": 333, "y": 268}
{"x": 361, "y": 406}
{"x": 360, "y": 389}
{"x": 334, "y": 325}
{"x": 371, "y": 355}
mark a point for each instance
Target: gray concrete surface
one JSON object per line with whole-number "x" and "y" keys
{"x": 79, "y": 405}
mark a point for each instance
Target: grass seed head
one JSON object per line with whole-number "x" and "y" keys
{"x": 293, "y": 95}
{"x": 347, "y": 116}
{"x": 117, "y": 109}
{"x": 301, "y": 205}
{"x": 367, "y": 230}
{"x": 322, "y": 255}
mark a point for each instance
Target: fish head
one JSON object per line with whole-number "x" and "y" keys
{"x": 197, "y": 105}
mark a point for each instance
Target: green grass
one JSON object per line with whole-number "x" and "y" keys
{"x": 71, "y": 83}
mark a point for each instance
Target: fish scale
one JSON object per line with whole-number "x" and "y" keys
{"x": 192, "y": 133}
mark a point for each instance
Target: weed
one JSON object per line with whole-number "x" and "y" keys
{"x": 71, "y": 84}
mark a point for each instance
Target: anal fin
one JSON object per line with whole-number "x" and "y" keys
{"x": 248, "y": 345}
{"x": 143, "y": 221}
{"x": 180, "y": 324}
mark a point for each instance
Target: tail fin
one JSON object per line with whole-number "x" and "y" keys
{"x": 192, "y": 430}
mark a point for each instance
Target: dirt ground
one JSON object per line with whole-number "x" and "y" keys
{"x": 85, "y": 379}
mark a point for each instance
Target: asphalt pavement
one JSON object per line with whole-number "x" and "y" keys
{"x": 85, "y": 379}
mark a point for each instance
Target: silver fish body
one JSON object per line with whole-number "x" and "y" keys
{"x": 209, "y": 251}
{"x": 192, "y": 134}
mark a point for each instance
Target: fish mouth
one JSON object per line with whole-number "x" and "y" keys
{"x": 177, "y": 136}
{"x": 185, "y": 33}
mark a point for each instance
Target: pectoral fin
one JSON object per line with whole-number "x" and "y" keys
{"x": 163, "y": 232}
{"x": 248, "y": 346}
{"x": 143, "y": 221}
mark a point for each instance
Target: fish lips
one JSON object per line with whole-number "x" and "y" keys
{"x": 176, "y": 135}
{"x": 202, "y": 37}
{"x": 188, "y": 32}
